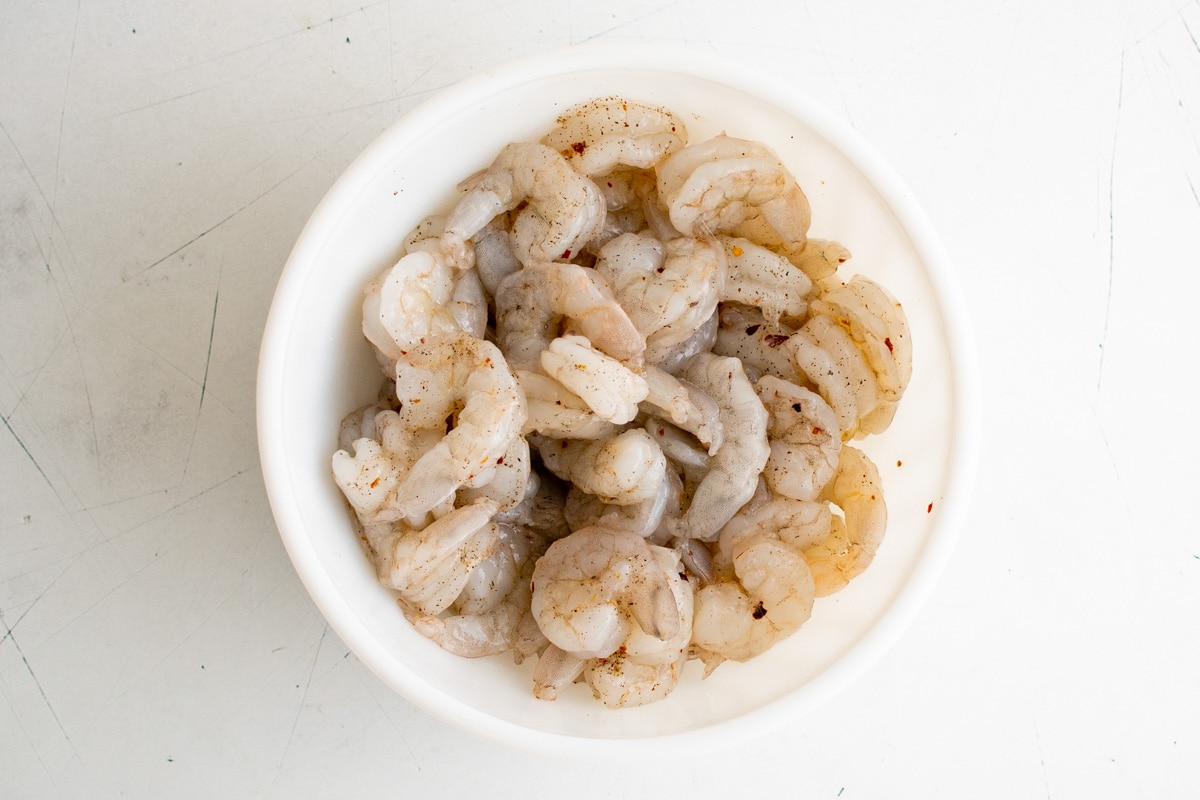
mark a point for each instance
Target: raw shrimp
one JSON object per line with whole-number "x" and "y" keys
{"x": 762, "y": 348}
{"x": 610, "y": 389}
{"x": 494, "y": 256}
{"x": 699, "y": 342}
{"x": 533, "y": 303}
{"x": 646, "y": 667}
{"x": 625, "y": 469}
{"x": 430, "y": 566}
{"x": 734, "y": 469}
{"x": 601, "y": 135}
{"x": 408, "y": 304}
{"x": 643, "y": 518}
{"x": 768, "y": 597}
{"x": 510, "y": 484}
{"x": 715, "y": 185}
{"x": 826, "y": 355}
{"x": 855, "y": 537}
{"x": 556, "y": 411}
{"x": 801, "y": 524}
{"x": 669, "y": 290}
{"x": 434, "y": 381}
{"x": 563, "y": 209}
{"x": 758, "y": 277}
{"x": 686, "y": 405}
{"x": 805, "y": 440}
{"x": 381, "y": 457}
{"x": 476, "y": 635}
{"x": 592, "y": 588}
{"x": 876, "y": 323}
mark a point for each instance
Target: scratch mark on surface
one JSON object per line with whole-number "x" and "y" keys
{"x": 304, "y": 696}
{"x": 32, "y": 460}
{"x": 212, "y": 328}
{"x": 1191, "y": 35}
{"x": 62, "y": 114}
{"x": 41, "y": 690}
{"x": 1112, "y": 238}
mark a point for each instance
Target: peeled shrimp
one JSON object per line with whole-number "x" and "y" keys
{"x": 715, "y": 185}
{"x": 430, "y": 566}
{"x": 878, "y": 327}
{"x": 409, "y": 304}
{"x": 609, "y": 388}
{"x": 763, "y": 348}
{"x": 686, "y": 405}
{"x": 534, "y": 302}
{"x": 734, "y": 469}
{"x": 856, "y": 536}
{"x": 804, "y": 437}
{"x": 592, "y": 588}
{"x": 643, "y": 518}
{"x": 601, "y": 135}
{"x": 554, "y": 410}
{"x": 826, "y": 355}
{"x": 625, "y": 469}
{"x": 434, "y": 381}
{"x": 767, "y": 598}
{"x": 563, "y": 209}
{"x": 758, "y": 277}
{"x": 669, "y": 290}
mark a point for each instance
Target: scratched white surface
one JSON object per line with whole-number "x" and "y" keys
{"x": 157, "y": 160}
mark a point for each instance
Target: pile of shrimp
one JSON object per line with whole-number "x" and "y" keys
{"x": 621, "y": 387}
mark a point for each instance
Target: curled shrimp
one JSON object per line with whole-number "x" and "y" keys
{"x": 734, "y": 468}
{"x": 595, "y": 587}
{"x": 855, "y": 537}
{"x": 608, "y": 387}
{"x": 804, "y": 437}
{"x": 768, "y": 596}
{"x": 409, "y": 303}
{"x": 669, "y": 290}
{"x": 534, "y": 303}
{"x": 745, "y": 334}
{"x": 601, "y": 135}
{"x": 877, "y": 325}
{"x": 563, "y": 209}
{"x": 715, "y": 185}
{"x": 827, "y": 356}
{"x": 622, "y": 470}
{"x": 686, "y": 405}
{"x": 466, "y": 380}
{"x": 643, "y": 518}
{"x": 429, "y": 566}
{"x": 554, "y": 410}
{"x": 758, "y": 277}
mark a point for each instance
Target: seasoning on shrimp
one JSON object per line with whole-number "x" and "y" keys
{"x": 620, "y": 379}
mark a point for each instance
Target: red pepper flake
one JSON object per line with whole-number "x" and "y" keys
{"x": 662, "y": 432}
{"x": 898, "y": 462}
{"x": 816, "y": 431}
{"x": 759, "y": 611}
{"x": 374, "y": 483}
{"x": 499, "y": 461}
{"x": 752, "y": 329}
{"x": 888, "y": 342}
{"x": 775, "y": 339}
{"x": 737, "y": 251}
{"x": 929, "y": 508}
{"x": 566, "y": 254}
{"x": 579, "y": 147}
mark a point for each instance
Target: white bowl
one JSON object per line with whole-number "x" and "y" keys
{"x": 315, "y": 366}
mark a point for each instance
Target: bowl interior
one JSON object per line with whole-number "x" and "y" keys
{"x": 316, "y": 367}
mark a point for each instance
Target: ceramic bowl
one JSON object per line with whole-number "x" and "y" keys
{"x": 315, "y": 367}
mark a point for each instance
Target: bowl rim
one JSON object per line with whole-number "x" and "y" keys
{"x": 965, "y": 390}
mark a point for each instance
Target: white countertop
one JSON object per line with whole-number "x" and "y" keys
{"x": 157, "y": 161}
